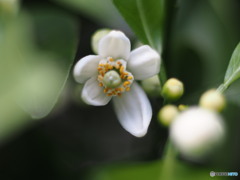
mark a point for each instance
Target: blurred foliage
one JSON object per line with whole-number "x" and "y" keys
{"x": 101, "y": 11}
{"x": 33, "y": 73}
{"x": 167, "y": 168}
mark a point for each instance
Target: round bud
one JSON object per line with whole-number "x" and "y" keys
{"x": 197, "y": 132}
{"x": 182, "y": 107}
{"x": 112, "y": 79}
{"x": 173, "y": 89}
{"x": 96, "y": 37}
{"x": 152, "y": 86}
{"x": 213, "y": 100}
{"x": 167, "y": 114}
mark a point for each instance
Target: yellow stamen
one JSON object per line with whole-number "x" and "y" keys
{"x": 121, "y": 89}
{"x": 110, "y": 66}
{"x": 126, "y": 83}
{"x": 100, "y": 77}
{"x": 122, "y": 76}
{"x": 100, "y": 84}
{"x": 117, "y": 66}
{"x": 105, "y": 90}
{"x": 111, "y": 59}
{"x": 127, "y": 88}
{"x": 129, "y": 78}
{"x": 121, "y": 69}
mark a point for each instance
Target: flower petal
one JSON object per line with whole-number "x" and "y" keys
{"x": 86, "y": 68}
{"x": 144, "y": 62}
{"x": 134, "y": 111}
{"x": 92, "y": 94}
{"x": 115, "y": 44}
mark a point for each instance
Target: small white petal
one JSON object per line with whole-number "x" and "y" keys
{"x": 144, "y": 62}
{"x": 92, "y": 94}
{"x": 134, "y": 111}
{"x": 86, "y": 68}
{"x": 115, "y": 45}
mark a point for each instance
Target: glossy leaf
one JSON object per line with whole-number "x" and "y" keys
{"x": 145, "y": 18}
{"x": 49, "y": 61}
{"x": 233, "y": 70}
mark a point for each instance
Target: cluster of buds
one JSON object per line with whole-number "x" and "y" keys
{"x": 195, "y": 131}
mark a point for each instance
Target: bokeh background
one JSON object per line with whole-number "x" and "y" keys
{"x": 47, "y": 132}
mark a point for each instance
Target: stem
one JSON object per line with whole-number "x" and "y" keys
{"x": 168, "y": 21}
{"x": 162, "y": 75}
{"x": 169, "y": 156}
{"x": 222, "y": 88}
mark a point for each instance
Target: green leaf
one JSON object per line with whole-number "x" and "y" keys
{"x": 49, "y": 60}
{"x": 233, "y": 70}
{"x": 145, "y": 18}
{"x": 36, "y": 55}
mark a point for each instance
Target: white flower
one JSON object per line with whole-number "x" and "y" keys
{"x": 111, "y": 75}
{"x": 196, "y": 132}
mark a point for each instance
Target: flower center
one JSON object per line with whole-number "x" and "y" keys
{"x": 112, "y": 75}
{"x": 112, "y": 79}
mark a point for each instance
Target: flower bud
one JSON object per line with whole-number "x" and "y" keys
{"x": 152, "y": 86}
{"x": 112, "y": 79}
{"x": 182, "y": 107}
{"x": 173, "y": 89}
{"x": 167, "y": 114}
{"x": 97, "y": 36}
{"x": 213, "y": 100}
{"x": 196, "y": 132}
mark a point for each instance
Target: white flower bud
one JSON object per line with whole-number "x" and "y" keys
{"x": 112, "y": 79}
{"x": 213, "y": 100}
{"x": 152, "y": 86}
{"x": 167, "y": 114}
{"x": 173, "y": 89}
{"x": 196, "y": 132}
{"x": 97, "y": 36}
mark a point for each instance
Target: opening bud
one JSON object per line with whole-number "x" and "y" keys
{"x": 96, "y": 37}
{"x": 167, "y": 114}
{"x": 173, "y": 89}
{"x": 213, "y": 100}
{"x": 152, "y": 86}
